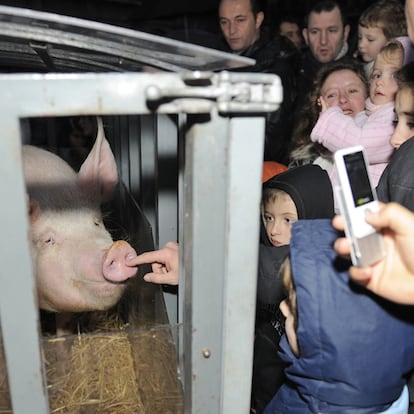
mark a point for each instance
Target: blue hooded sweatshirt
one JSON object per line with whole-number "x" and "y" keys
{"x": 355, "y": 347}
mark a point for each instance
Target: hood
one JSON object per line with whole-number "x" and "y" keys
{"x": 309, "y": 187}
{"x": 408, "y": 48}
{"x": 347, "y": 336}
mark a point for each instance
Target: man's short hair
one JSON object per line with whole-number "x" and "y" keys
{"x": 326, "y": 6}
{"x": 255, "y": 5}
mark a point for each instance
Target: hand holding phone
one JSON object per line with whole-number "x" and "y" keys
{"x": 356, "y": 196}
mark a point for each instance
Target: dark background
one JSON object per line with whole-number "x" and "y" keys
{"x": 194, "y": 21}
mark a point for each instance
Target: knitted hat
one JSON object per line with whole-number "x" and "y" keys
{"x": 272, "y": 168}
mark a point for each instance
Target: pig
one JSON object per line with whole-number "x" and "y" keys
{"x": 76, "y": 265}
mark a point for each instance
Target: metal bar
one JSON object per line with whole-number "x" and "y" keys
{"x": 167, "y": 186}
{"x": 242, "y": 240}
{"x": 204, "y": 249}
{"x": 149, "y": 170}
{"x": 18, "y": 303}
{"x": 222, "y": 190}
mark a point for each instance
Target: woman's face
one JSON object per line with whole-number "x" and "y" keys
{"x": 345, "y": 89}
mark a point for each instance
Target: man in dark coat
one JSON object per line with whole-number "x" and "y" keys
{"x": 241, "y": 23}
{"x": 326, "y": 34}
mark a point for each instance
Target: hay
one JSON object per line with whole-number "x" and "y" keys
{"x": 116, "y": 369}
{"x": 160, "y": 389}
{"x": 101, "y": 377}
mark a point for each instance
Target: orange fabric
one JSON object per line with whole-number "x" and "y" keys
{"x": 272, "y": 168}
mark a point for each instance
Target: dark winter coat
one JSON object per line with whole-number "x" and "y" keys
{"x": 355, "y": 347}
{"x": 279, "y": 56}
{"x": 397, "y": 184}
{"x": 397, "y": 180}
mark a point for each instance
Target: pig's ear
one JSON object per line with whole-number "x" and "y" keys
{"x": 98, "y": 174}
{"x": 34, "y": 210}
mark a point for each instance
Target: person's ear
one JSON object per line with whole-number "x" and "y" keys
{"x": 347, "y": 29}
{"x": 259, "y": 19}
{"x": 305, "y": 35}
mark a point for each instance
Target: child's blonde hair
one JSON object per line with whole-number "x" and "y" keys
{"x": 392, "y": 52}
{"x": 387, "y": 15}
{"x": 290, "y": 290}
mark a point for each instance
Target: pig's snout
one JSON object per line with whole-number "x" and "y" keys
{"x": 114, "y": 267}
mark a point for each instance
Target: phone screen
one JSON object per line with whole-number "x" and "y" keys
{"x": 358, "y": 178}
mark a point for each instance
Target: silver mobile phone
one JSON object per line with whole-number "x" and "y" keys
{"x": 356, "y": 196}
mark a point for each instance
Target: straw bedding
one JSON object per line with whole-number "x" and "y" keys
{"x": 115, "y": 369}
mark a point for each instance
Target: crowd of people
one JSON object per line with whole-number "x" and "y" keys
{"x": 329, "y": 337}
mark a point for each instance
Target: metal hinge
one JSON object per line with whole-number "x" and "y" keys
{"x": 230, "y": 92}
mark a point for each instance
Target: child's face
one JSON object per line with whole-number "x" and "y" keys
{"x": 279, "y": 214}
{"x": 290, "y": 327}
{"x": 404, "y": 110}
{"x": 370, "y": 42}
{"x": 383, "y": 86}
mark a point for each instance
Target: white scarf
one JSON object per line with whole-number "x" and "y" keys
{"x": 343, "y": 51}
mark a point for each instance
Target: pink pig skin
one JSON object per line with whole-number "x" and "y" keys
{"x": 76, "y": 265}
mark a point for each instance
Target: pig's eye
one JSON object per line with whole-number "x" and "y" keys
{"x": 98, "y": 223}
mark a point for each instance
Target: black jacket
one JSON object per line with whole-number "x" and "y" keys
{"x": 309, "y": 69}
{"x": 397, "y": 180}
{"x": 279, "y": 56}
{"x": 397, "y": 184}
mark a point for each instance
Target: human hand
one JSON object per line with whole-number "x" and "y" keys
{"x": 164, "y": 263}
{"x": 322, "y": 104}
{"x": 393, "y": 276}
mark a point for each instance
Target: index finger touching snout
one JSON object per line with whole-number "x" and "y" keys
{"x": 143, "y": 258}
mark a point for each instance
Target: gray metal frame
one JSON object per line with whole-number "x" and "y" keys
{"x": 222, "y": 197}
{"x": 218, "y": 221}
